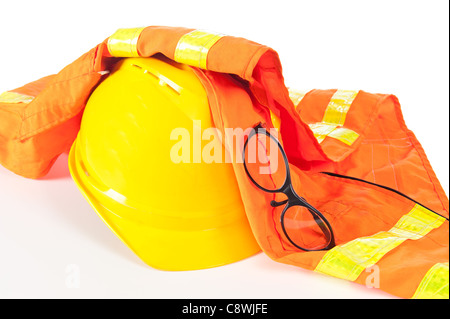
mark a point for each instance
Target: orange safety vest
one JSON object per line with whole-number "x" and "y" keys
{"x": 388, "y": 210}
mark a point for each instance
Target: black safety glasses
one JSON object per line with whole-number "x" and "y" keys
{"x": 267, "y": 166}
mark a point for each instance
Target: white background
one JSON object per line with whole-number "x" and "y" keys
{"x": 46, "y": 226}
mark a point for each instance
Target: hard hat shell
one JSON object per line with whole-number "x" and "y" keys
{"x": 174, "y": 216}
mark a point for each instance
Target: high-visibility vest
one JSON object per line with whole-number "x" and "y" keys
{"x": 350, "y": 154}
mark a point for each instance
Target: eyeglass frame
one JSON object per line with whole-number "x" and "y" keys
{"x": 293, "y": 199}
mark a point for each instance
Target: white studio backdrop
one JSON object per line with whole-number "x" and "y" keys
{"x": 53, "y": 245}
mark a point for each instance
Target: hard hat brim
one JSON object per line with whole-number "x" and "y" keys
{"x": 173, "y": 249}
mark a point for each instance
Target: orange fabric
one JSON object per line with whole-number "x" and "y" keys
{"x": 391, "y": 154}
{"x": 34, "y": 134}
{"x": 355, "y": 209}
{"x": 244, "y": 81}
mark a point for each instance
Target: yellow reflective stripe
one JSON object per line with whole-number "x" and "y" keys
{"x": 123, "y": 43}
{"x": 435, "y": 283}
{"x": 322, "y": 130}
{"x": 320, "y": 138}
{"x": 13, "y": 97}
{"x": 339, "y": 106}
{"x": 275, "y": 120}
{"x": 348, "y": 261}
{"x": 334, "y": 118}
{"x": 194, "y": 46}
{"x": 296, "y": 96}
{"x": 344, "y": 135}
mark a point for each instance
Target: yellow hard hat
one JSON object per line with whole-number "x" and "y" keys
{"x": 174, "y": 216}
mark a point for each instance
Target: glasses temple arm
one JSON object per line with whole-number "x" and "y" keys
{"x": 274, "y": 203}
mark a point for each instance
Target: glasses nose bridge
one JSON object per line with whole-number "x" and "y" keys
{"x": 291, "y": 195}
